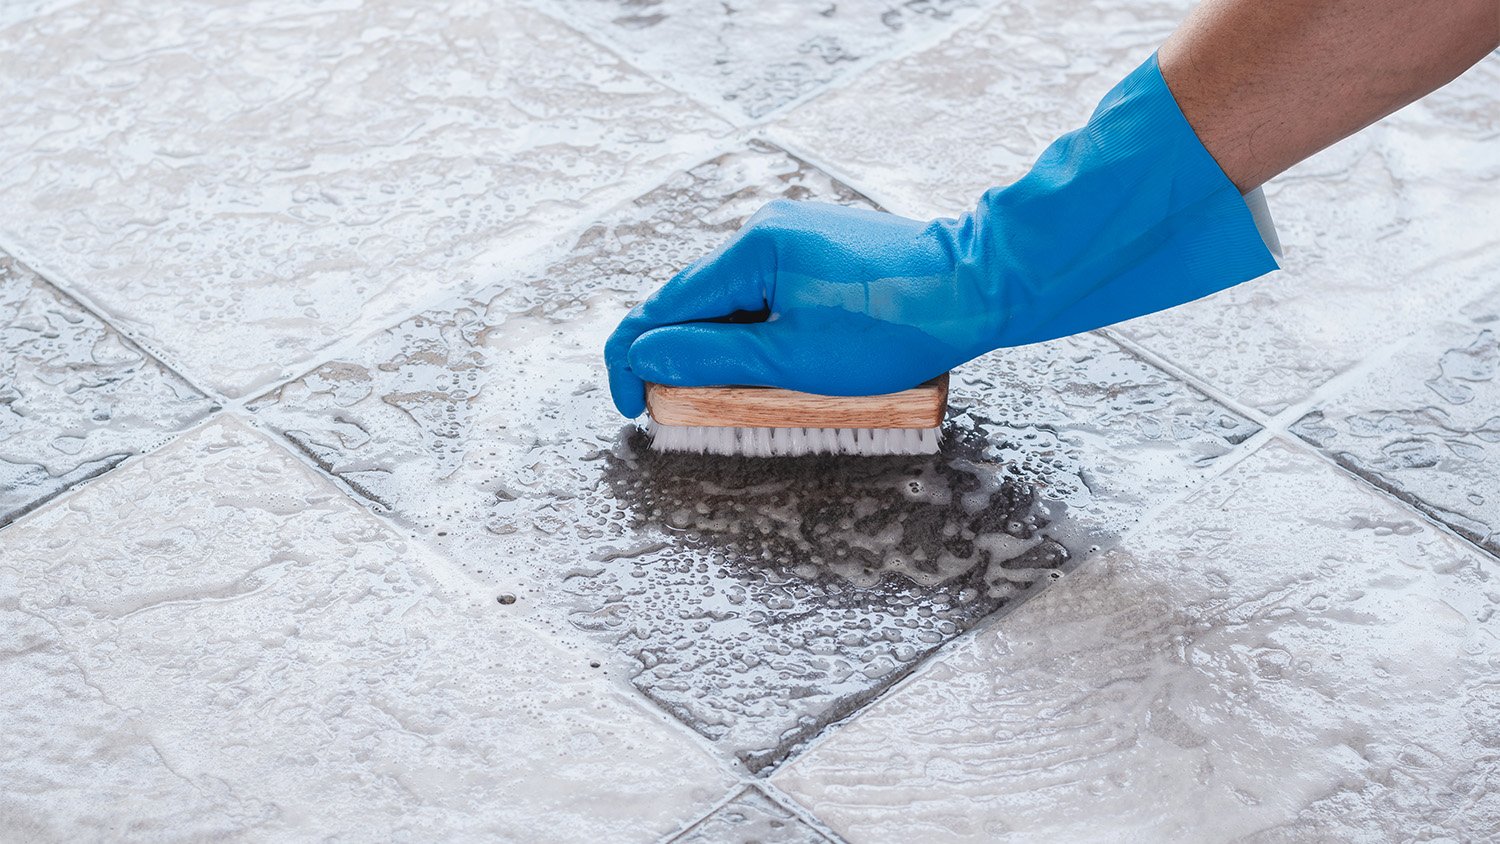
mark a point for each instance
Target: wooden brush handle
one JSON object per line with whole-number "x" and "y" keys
{"x": 767, "y": 407}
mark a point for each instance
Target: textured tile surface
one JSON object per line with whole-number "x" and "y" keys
{"x": 1378, "y": 231}
{"x": 247, "y": 184}
{"x": 1426, "y": 424}
{"x": 77, "y": 765}
{"x": 910, "y": 129}
{"x": 751, "y": 818}
{"x": 1287, "y": 657}
{"x": 75, "y": 397}
{"x": 12, "y": 11}
{"x": 754, "y": 57}
{"x": 250, "y": 649}
{"x": 756, "y": 599}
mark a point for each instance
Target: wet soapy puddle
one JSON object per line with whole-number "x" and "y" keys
{"x": 927, "y": 520}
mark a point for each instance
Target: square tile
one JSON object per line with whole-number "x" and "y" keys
{"x": 758, "y": 600}
{"x": 1287, "y": 657}
{"x": 76, "y": 765}
{"x": 286, "y": 655}
{"x": 755, "y": 57}
{"x": 76, "y": 398}
{"x": 751, "y": 818}
{"x": 1425, "y": 425}
{"x": 244, "y": 185}
{"x": 1378, "y": 230}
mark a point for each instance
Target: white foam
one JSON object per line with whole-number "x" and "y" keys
{"x": 789, "y": 442}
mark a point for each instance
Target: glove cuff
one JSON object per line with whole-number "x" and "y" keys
{"x": 1152, "y": 221}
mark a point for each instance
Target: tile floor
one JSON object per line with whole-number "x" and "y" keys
{"x": 315, "y": 519}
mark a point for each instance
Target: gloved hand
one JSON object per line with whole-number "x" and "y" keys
{"x": 1126, "y": 216}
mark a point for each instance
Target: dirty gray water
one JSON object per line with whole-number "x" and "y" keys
{"x": 755, "y": 599}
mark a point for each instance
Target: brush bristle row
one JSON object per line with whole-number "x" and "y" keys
{"x": 790, "y": 442}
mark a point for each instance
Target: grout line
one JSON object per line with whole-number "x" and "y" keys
{"x": 1384, "y": 493}
{"x": 1192, "y": 379}
{"x": 1272, "y": 428}
{"x": 1336, "y": 386}
{"x": 850, "y": 180}
{"x": 959, "y": 20}
{"x": 1279, "y": 426}
{"x": 803, "y": 813}
{"x": 450, "y": 576}
{"x": 606, "y": 42}
{"x": 54, "y": 278}
{"x": 76, "y": 489}
{"x": 775, "y": 795}
{"x": 735, "y": 791}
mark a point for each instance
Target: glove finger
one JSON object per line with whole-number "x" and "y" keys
{"x": 709, "y": 354}
{"x": 733, "y": 278}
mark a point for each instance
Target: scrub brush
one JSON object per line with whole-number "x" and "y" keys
{"x": 766, "y": 422}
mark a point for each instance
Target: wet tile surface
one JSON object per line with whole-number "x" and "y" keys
{"x": 246, "y": 185}
{"x": 13, "y": 11}
{"x": 751, "y": 818}
{"x": 1425, "y": 425}
{"x": 76, "y": 398}
{"x": 76, "y": 765}
{"x": 1288, "y": 656}
{"x": 756, "y": 57}
{"x": 256, "y": 653}
{"x": 1036, "y": 70}
{"x": 1376, "y": 244}
{"x": 757, "y": 600}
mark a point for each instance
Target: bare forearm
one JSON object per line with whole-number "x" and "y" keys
{"x": 1266, "y": 83}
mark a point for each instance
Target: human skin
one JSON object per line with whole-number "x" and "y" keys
{"x": 1267, "y": 83}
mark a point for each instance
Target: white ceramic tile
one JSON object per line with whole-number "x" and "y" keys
{"x": 246, "y": 184}
{"x": 756, "y": 56}
{"x": 77, "y": 765}
{"x": 1287, "y": 657}
{"x": 1378, "y": 230}
{"x": 1425, "y": 424}
{"x": 240, "y": 624}
{"x": 76, "y": 398}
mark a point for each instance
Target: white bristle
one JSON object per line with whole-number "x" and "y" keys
{"x": 790, "y": 442}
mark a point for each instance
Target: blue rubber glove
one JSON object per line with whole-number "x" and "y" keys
{"x": 1126, "y": 216}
